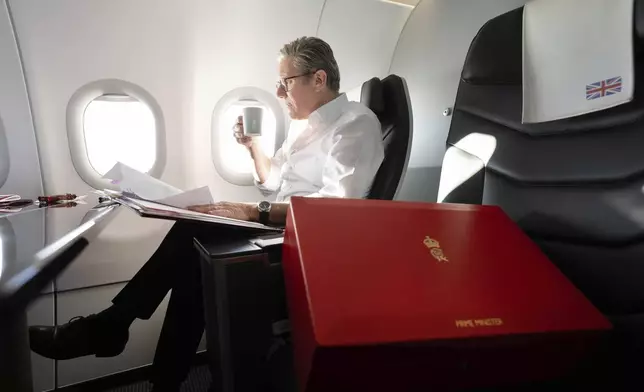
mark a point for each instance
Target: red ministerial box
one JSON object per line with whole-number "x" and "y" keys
{"x": 404, "y": 296}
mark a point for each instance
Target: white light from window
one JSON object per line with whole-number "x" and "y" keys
{"x": 469, "y": 156}
{"x": 234, "y": 155}
{"x": 119, "y": 129}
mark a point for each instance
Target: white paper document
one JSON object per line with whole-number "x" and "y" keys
{"x": 149, "y": 188}
{"x": 194, "y": 197}
{"x": 146, "y": 186}
{"x": 153, "y": 209}
{"x": 153, "y": 198}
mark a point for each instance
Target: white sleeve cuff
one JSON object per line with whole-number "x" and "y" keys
{"x": 271, "y": 184}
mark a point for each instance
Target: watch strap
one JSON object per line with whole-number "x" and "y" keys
{"x": 263, "y": 217}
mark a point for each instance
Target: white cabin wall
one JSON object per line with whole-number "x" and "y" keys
{"x": 430, "y": 56}
{"x": 20, "y": 174}
{"x": 23, "y": 176}
{"x": 363, "y": 35}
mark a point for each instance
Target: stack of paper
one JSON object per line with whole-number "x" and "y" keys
{"x": 153, "y": 198}
{"x": 149, "y": 188}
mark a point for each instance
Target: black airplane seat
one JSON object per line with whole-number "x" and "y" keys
{"x": 389, "y": 100}
{"x": 573, "y": 185}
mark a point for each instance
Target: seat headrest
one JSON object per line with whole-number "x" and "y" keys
{"x": 495, "y": 54}
{"x": 371, "y": 95}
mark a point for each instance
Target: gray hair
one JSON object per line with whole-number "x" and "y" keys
{"x": 310, "y": 54}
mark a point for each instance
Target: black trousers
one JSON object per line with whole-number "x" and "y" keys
{"x": 174, "y": 266}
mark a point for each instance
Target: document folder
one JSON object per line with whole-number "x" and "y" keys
{"x": 151, "y": 209}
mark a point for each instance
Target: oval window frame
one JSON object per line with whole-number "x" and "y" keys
{"x": 242, "y": 94}
{"x": 76, "y": 133}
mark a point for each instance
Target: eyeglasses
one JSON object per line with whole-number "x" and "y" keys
{"x": 281, "y": 83}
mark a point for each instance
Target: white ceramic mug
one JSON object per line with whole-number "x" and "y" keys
{"x": 253, "y": 121}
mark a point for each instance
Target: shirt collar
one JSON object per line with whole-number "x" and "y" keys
{"x": 329, "y": 112}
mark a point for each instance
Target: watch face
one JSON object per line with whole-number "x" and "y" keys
{"x": 264, "y": 206}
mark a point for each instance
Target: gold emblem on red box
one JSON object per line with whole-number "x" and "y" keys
{"x": 435, "y": 249}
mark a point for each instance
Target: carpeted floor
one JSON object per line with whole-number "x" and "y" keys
{"x": 198, "y": 381}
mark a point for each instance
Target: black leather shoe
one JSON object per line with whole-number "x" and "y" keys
{"x": 81, "y": 336}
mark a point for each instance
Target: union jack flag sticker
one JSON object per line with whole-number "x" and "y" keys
{"x": 604, "y": 88}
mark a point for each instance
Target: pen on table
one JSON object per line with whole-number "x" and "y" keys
{"x": 56, "y": 198}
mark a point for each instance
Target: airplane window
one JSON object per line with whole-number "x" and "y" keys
{"x": 119, "y": 128}
{"x": 235, "y": 156}
{"x": 112, "y": 120}
{"x": 4, "y": 156}
{"x": 232, "y": 160}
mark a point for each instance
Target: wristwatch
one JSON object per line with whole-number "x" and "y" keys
{"x": 264, "y": 208}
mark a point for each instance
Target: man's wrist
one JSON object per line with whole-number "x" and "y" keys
{"x": 254, "y": 213}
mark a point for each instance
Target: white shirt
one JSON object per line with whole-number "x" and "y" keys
{"x": 337, "y": 155}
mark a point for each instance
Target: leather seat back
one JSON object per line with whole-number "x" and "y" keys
{"x": 389, "y": 100}
{"x": 573, "y": 185}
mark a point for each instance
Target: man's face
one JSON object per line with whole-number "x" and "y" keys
{"x": 300, "y": 93}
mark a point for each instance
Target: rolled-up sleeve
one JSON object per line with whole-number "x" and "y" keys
{"x": 353, "y": 160}
{"x": 272, "y": 183}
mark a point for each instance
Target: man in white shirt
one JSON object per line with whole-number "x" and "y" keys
{"x": 336, "y": 155}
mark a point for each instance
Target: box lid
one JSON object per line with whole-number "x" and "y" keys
{"x": 379, "y": 272}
